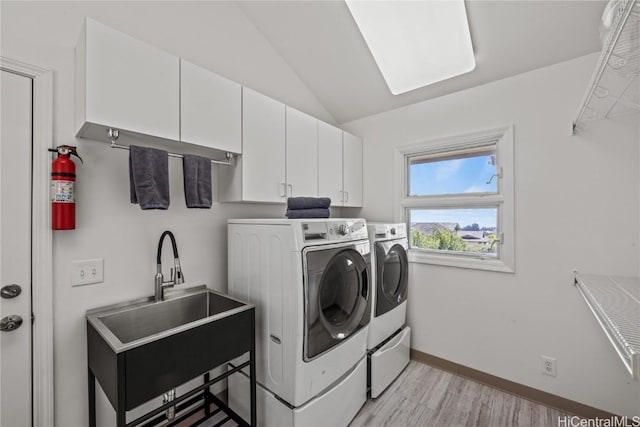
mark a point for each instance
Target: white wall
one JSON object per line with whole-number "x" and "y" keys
{"x": 215, "y": 35}
{"x": 577, "y": 203}
{"x": 576, "y": 208}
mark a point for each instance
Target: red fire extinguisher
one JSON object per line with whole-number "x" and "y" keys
{"x": 63, "y": 177}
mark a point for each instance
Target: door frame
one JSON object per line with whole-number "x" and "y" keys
{"x": 41, "y": 239}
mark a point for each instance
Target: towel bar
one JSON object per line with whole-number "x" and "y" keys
{"x": 115, "y": 133}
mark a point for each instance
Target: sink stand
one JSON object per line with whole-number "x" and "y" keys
{"x": 135, "y": 372}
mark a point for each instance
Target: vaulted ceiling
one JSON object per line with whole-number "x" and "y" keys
{"x": 321, "y": 43}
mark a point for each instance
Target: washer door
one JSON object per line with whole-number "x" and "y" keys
{"x": 337, "y": 296}
{"x": 392, "y": 275}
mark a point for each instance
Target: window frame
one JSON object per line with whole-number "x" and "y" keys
{"x": 502, "y": 199}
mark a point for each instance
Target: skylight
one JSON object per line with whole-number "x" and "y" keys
{"x": 415, "y": 43}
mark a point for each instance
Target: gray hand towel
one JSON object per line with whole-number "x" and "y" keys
{"x": 149, "y": 177}
{"x": 197, "y": 181}
{"x": 308, "y": 213}
{"x": 308, "y": 203}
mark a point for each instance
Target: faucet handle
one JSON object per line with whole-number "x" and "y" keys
{"x": 179, "y": 277}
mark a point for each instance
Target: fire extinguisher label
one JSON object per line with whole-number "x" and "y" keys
{"x": 62, "y": 191}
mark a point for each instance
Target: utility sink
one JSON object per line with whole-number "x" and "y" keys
{"x": 155, "y": 319}
{"x": 141, "y": 349}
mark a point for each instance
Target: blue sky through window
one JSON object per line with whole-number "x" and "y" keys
{"x": 455, "y": 176}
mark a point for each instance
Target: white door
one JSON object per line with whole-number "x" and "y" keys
{"x": 15, "y": 249}
{"x": 127, "y": 83}
{"x": 263, "y": 148}
{"x": 302, "y": 154}
{"x": 210, "y": 109}
{"x": 352, "y": 169}
{"x": 330, "y": 163}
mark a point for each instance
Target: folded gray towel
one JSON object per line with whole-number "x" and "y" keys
{"x": 197, "y": 181}
{"x": 308, "y": 213}
{"x": 149, "y": 177}
{"x": 308, "y": 203}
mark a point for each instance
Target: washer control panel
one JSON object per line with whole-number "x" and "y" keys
{"x": 347, "y": 229}
{"x": 334, "y": 230}
{"x": 389, "y": 231}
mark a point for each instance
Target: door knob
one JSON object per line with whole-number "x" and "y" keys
{"x": 10, "y": 323}
{"x": 10, "y": 291}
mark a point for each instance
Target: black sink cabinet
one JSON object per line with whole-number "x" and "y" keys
{"x": 137, "y": 374}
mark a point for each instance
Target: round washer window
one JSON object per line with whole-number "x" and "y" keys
{"x": 394, "y": 274}
{"x": 343, "y": 293}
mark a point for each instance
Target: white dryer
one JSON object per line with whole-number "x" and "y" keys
{"x": 310, "y": 282}
{"x": 389, "y": 340}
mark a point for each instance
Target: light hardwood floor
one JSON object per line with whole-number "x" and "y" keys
{"x": 426, "y": 396}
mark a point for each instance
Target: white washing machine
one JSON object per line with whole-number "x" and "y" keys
{"x": 389, "y": 338}
{"x": 310, "y": 282}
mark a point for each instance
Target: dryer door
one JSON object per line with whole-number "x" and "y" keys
{"x": 392, "y": 275}
{"x": 337, "y": 296}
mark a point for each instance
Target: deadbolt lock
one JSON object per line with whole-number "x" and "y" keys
{"x": 10, "y": 291}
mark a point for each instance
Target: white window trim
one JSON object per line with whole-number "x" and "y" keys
{"x": 504, "y": 200}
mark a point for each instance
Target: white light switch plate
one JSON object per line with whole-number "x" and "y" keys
{"x": 87, "y": 272}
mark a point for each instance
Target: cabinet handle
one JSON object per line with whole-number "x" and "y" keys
{"x": 284, "y": 189}
{"x": 291, "y": 188}
{"x": 347, "y": 194}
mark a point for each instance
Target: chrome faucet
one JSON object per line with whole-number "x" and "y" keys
{"x": 176, "y": 273}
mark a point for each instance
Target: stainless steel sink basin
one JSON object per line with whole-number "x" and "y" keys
{"x": 141, "y": 349}
{"x": 129, "y": 325}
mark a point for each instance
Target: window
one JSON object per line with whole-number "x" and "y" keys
{"x": 457, "y": 200}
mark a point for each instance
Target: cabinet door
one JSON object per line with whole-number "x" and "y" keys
{"x": 129, "y": 84}
{"x": 330, "y": 163}
{"x": 263, "y": 148}
{"x": 210, "y": 109}
{"x": 352, "y": 169}
{"x": 302, "y": 154}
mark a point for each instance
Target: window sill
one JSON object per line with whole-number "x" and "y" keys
{"x": 477, "y": 263}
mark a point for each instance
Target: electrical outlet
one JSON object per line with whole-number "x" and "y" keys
{"x": 548, "y": 365}
{"x": 87, "y": 272}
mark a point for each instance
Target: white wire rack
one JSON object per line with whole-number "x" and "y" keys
{"x": 614, "y": 89}
{"x": 615, "y": 302}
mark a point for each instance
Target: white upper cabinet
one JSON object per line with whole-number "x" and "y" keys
{"x": 352, "y": 169}
{"x": 259, "y": 174}
{"x": 210, "y": 109}
{"x": 124, "y": 83}
{"x": 330, "y": 163}
{"x": 263, "y": 128}
{"x": 129, "y": 85}
{"x": 339, "y": 166}
{"x": 302, "y": 154}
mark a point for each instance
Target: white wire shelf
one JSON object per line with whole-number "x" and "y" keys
{"x": 615, "y": 302}
{"x": 614, "y": 89}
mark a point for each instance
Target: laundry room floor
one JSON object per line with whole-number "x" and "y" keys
{"x": 426, "y": 396}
